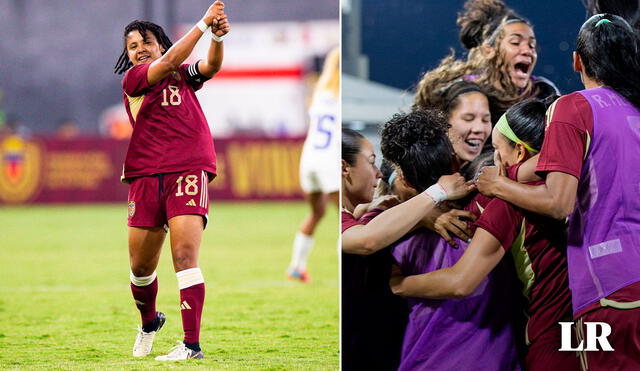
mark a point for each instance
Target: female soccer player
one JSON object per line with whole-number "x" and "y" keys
{"x": 502, "y": 56}
{"x": 537, "y": 244}
{"x": 319, "y": 177}
{"x": 372, "y": 317}
{"x": 444, "y": 334}
{"x": 590, "y": 160}
{"x": 467, "y": 108}
{"x": 169, "y": 162}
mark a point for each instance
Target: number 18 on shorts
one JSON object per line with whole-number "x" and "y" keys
{"x": 153, "y": 200}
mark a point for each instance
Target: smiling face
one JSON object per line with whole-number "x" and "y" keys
{"x": 518, "y": 48}
{"x": 141, "y": 51}
{"x": 360, "y": 179}
{"x": 470, "y": 122}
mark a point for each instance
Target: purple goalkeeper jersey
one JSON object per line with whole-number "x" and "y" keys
{"x": 471, "y": 333}
{"x": 170, "y": 132}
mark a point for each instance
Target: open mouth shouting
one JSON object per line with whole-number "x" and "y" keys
{"x": 521, "y": 72}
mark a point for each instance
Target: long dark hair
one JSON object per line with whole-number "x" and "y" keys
{"x": 608, "y": 48}
{"x": 627, "y": 9}
{"x": 418, "y": 143}
{"x": 351, "y": 145}
{"x": 123, "y": 62}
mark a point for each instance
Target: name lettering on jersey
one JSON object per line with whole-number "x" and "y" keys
{"x": 609, "y": 100}
{"x": 174, "y": 97}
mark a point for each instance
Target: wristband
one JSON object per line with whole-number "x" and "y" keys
{"x": 437, "y": 193}
{"x": 202, "y": 26}
{"x": 216, "y": 37}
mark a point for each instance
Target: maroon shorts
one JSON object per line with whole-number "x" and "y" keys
{"x": 624, "y": 339}
{"x": 543, "y": 353}
{"x": 155, "y": 199}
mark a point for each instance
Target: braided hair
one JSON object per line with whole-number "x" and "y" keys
{"x": 123, "y": 62}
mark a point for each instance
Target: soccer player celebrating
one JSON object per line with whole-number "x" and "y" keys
{"x": 537, "y": 243}
{"x": 169, "y": 162}
{"x": 319, "y": 176}
{"x": 590, "y": 159}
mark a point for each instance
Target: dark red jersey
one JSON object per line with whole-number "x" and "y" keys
{"x": 170, "y": 132}
{"x": 569, "y": 129}
{"x": 538, "y": 246}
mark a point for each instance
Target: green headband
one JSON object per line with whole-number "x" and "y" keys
{"x": 601, "y": 22}
{"x": 505, "y": 129}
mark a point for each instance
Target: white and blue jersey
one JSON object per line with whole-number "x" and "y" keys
{"x": 319, "y": 164}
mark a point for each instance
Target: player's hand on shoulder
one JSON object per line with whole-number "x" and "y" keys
{"x": 455, "y": 186}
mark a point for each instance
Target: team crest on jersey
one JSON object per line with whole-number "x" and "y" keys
{"x": 20, "y": 163}
{"x": 132, "y": 209}
{"x": 176, "y": 75}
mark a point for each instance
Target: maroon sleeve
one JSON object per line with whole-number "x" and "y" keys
{"x": 502, "y": 221}
{"x": 135, "y": 80}
{"x": 569, "y": 127}
{"x": 348, "y": 221}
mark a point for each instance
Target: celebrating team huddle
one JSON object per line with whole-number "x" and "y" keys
{"x": 500, "y": 209}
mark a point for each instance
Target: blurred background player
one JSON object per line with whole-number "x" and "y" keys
{"x": 169, "y": 163}
{"x": 319, "y": 177}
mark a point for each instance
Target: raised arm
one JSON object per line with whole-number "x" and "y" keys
{"x": 220, "y": 27}
{"x": 482, "y": 255}
{"x": 176, "y": 55}
{"x": 395, "y": 222}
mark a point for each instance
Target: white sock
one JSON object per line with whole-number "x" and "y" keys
{"x": 302, "y": 245}
{"x": 142, "y": 281}
{"x": 189, "y": 277}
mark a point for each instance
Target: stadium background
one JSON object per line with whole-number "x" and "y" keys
{"x": 64, "y": 297}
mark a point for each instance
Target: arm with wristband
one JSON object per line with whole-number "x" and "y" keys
{"x": 175, "y": 56}
{"x": 219, "y": 28}
{"x": 396, "y": 221}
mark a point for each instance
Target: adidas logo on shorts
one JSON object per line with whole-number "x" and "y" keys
{"x": 191, "y": 203}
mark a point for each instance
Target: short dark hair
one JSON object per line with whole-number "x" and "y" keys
{"x": 418, "y": 143}
{"x": 123, "y": 62}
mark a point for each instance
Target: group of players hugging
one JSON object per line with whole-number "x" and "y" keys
{"x": 501, "y": 208}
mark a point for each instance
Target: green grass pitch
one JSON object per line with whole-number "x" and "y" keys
{"x": 65, "y": 302}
